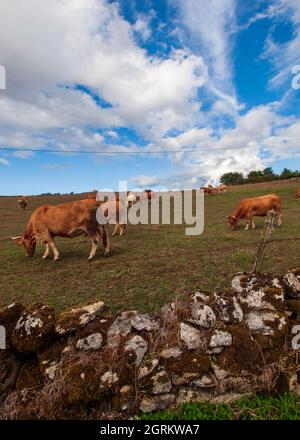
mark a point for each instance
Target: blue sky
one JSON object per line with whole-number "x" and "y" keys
{"x": 200, "y": 87}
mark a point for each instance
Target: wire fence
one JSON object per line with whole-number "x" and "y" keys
{"x": 146, "y": 259}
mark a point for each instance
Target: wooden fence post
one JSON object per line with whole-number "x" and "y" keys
{"x": 264, "y": 240}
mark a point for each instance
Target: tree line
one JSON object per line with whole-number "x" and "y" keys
{"x": 266, "y": 175}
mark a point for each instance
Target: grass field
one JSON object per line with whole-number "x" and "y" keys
{"x": 281, "y": 407}
{"x": 150, "y": 265}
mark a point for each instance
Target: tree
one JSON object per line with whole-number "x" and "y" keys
{"x": 286, "y": 173}
{"x": 232, "y": 178}
{"x": 255, "y": 176}
{"x": 269, "y": 174}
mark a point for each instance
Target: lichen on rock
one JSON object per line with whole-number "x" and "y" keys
{"x": 136, "y": 348}
{"x": 34, "y": 328}
{"x": 91, "y": 342}
{"x": 291, "y": 282}
{"x": 76, "y": 318}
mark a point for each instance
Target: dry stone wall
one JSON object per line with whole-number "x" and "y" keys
{"x": 86, "y": 363}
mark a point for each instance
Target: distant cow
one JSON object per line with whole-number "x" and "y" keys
{"x": 67, "y": 220}
{"x": 256, "y": 206}
{"x": 209, "y": 190}
{"x": 22, "y": 202}
{"x": 297, "y": 194}
{"x": 131, "y": 199}
{"x": 112, "y": 212}
{"x": 222, "y": 189}
{"x": 149, "y": 193}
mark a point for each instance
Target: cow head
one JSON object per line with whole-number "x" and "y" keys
{"x": 233, "y": 221}
{"x": 29, "y": 243}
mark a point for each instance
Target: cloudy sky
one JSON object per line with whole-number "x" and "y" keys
{"x": 175, "y": 92}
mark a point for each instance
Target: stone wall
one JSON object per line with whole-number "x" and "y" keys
{"x": 86, "y": 363}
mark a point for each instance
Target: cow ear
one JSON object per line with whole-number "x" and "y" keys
{"x": 228, "y": 217}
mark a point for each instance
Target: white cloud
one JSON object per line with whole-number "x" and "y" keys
{"x": 87, "y": 42}
{"x": 259, "y": 130}
{"x": 283, "y": 56}
{"x": 212, "y": 26}
{"x": 49, "y": 50}
{"x": 3, "y": 161}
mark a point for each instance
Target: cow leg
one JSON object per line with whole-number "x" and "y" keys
{"x": 115, "y": 230}
{"x": 253, "y": 226}
{"x": 247, "y": 225}
{"x": 279, "y": 219}
{"x": 121, "y": 230}
{"x": 95, "y": 242}
{"x": 46, "y": 254}
{"x": 55, "y": 251}
{"x": 105, "y": 239}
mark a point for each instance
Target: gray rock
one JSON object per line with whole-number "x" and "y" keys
{"x": 220, "y": 339}
{"x": 190, "y": 336}
{"x": 266, "y": 322}
{"x": 205, "y": 381}
{"x": 169, "y": 353}
{"x": 75, "y": 318}
{"x": 291, "y": 281}
{"x": 161, "y": 383}
{"x": 33, "y": 328}
{"x": 184, "y": 379}
{"x": 228, "y": 308}
{"x": 149, "y": 404}
{"x": 202, "y": 315}
{"x": 253, "y": 291}
{"x": 145, "y": 322}
{"x": 145, "y": 370}
{"x": 220, "y": 372}
{"x": 188, "y": 395}
{"x": 139, "y": 346}
{"x": 91, "y": 342}
{"x": 121, "y": 327}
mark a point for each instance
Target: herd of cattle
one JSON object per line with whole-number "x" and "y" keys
{"x": 71, "y": 219}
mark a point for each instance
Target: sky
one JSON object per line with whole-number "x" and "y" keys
{"x": 172, "y": 93}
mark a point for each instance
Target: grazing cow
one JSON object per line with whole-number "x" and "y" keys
{"x": 67, "y": 220}
{"x": 297, "y": 194}
{"x": 222, "y": 189}
{"x": 110, "y": 212}
{"x": 22, "y": 202}
{"x": 209, "y": 190}
{"x": 256, "y": 206}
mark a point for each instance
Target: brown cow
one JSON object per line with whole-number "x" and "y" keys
{"x": 256, "y": 206}
{"x": 297, "y": 194}
{"x": 67, "y": 220}
{"x": 22, "y": 202}
{"x": 222, "y": 189}
{"x": 209, "y": 190}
